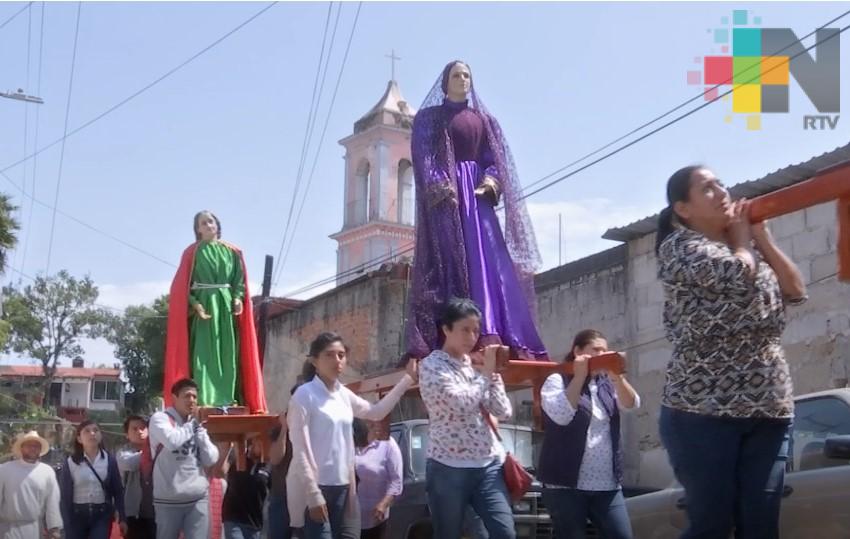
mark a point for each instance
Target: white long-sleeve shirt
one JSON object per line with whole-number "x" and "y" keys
{"x": 87, "y": 487}
{"x": 596, "y": 472}
{"x": 28, "y": 493}
{"x": 322, "y": 440}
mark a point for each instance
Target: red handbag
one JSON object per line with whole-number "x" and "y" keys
{"x": 517, "y": 479}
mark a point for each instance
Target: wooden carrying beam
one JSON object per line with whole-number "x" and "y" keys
{"x": 829, "y": 184}
{"x": 239, "y": 429}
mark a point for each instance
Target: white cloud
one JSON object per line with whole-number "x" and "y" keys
{"x": 583, "y": 223}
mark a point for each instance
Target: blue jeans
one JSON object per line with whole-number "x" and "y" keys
{"x": 451, "y": 490}
{"x": 235, "y": 530}
{"x": 90, "y": 521}
{"x": 570, "y": 509}
{"x": 278, "y": 524}
{"x": 732, "y": 469}
{"x": 339, "y": 525}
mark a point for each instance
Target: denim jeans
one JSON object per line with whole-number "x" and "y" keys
{"x": 451, "y": 490}
{"x": 732, "y": 470}
{"x": 340, "y": 524}
{"x": 278, "y": 524}
{"x": 570, "y": 509}
{"x": 235, "y": 530}
{"x": 90, "y": 521}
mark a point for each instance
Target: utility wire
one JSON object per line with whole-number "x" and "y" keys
{"x": 282, "y": 262}
{"x": 64, "y": 137}
{"x": 142, "y": 90}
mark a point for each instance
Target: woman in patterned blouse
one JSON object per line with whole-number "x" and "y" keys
{"x": 464, "y": 467}
{"x": 580, "y": 461}
{"x": 727, "y": 403}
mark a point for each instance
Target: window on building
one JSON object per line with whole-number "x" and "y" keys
{"x": 357, "y": 210}
{"x": 106, "y": 390}
{"x": 405, "y": 192}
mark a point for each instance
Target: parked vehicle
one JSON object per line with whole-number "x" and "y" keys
{"x": 816, "y": 498}
{"x": 410, "y": 517}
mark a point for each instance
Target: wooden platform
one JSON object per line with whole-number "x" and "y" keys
{"x": 238, "y": 426}
{"x": 515, "y": 373}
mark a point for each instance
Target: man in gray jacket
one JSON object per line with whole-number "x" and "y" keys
{"x": 181, "y": 449}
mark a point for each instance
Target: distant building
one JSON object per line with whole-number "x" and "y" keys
{"x": 74, "y": 390}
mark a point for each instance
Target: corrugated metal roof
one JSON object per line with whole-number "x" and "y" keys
{"x": 775, "y": 180}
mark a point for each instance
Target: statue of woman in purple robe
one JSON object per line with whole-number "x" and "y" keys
{"x": 463, "y": 168}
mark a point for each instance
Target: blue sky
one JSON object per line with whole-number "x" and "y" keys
{"x": 226, "y": 131}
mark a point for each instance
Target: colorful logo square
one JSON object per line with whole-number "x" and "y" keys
{"x": 718, "y": 69}
{"x": 746, "y": 42}
{"x": 747, "y": 69}
{"x": 775, "y": 70}
{"x": 746, "y": 98}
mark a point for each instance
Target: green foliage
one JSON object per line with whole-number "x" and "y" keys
{"x": 49, "y": 317}
{"x": 139, "y": 339}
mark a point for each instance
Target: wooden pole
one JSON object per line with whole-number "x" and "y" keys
{"x": 264, "y": 308}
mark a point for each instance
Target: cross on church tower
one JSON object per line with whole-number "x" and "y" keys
{"x": 392, "y": 58}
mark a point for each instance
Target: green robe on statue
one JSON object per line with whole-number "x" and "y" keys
{"x": 213, "y": 344}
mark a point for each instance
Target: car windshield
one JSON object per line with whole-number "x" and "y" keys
{"x": 518, "y": 441}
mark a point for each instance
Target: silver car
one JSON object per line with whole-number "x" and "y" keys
{"x": 816, "y": 499}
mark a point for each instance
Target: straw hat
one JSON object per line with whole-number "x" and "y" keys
{"x": 31, "y": 436}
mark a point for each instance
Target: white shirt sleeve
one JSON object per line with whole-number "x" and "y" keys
{"x": 364, "y": 409}
{"x": 52, "y": 513}
{"x": 302, "y": 468}
{"x": 553, "y": 399}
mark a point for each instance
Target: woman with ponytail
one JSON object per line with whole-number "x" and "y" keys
{"x": 581, "y": 465}
{"x": 727, "y": 402}
{"x": 320, "y": 483}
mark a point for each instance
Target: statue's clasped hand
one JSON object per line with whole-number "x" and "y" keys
{"x": 488, "y": 190}
{"x": 201, "y": 313}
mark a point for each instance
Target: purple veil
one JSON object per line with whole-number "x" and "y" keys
{"x": 440, "y": 267}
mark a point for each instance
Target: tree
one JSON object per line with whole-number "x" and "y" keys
{"x": 139, "y": 339}
{"x": 8, "y": 240}
{"x": 49, "y": 317}
{"x": 8, "y": 227}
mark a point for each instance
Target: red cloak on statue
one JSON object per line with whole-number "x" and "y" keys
{"x": 177, "y": 337}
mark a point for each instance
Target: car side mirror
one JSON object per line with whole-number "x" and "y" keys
{"x": 837, "y": 447}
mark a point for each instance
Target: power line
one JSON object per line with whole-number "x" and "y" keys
{"x": 26, "y": 116}
{"x": 291, "y": 235}
{"x": 65, "y": 136}
{"x": 677, "y": 107}
{"x": 378, "y": 259}
{"x": 282, "y": 261}
{"x": 677, "y": 119}
{"x": 15, "y": 15}
{"x": 28, "y": 231}
{"x": 306, "y": 141}
{"x": 142, "y": 90}
{"x": 90, "y": 227}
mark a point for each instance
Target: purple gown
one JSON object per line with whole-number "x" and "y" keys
{"x": 460, "y": 248}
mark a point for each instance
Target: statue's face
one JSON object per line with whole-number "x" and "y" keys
{"x": 207, "y": 227}
{"x": 460, "y": 82}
